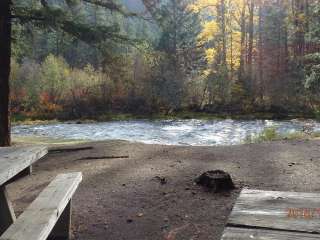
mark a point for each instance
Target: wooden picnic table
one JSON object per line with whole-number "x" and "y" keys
{"x": 274, "y": 215}
{"x": 14, "y": 162}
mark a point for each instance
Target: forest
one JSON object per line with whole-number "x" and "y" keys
{"x": 158, "y": 56}
{"x": 183, "y": 119}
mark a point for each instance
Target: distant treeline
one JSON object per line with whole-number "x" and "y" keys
{"x": 218, "y": 56}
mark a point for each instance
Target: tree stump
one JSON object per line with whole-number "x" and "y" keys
{"x": 216, "y": 181}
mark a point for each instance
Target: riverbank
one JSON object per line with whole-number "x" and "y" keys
{"x": 19, "y": 119}
{"x": 124, "y": 198}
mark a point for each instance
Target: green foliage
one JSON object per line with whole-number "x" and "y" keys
{"x": 45, "y": 89}
{"x": 82, "y": 58}
{"x": 25, "y": 89}
{"x": 74, "y": 29}
{"x": 180, "y": 58}
{"x": 54, "y": 75}
{"x": 313, "y": 79}
{"x": 268, "y": 134}
{"x": 271, "y": 134}
{"x": 316, "y": 113}
{"x": 55, "y": 89}
{"x": 219, "y": 88}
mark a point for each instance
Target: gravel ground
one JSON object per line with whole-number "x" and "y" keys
{"x": 124, "y": 199}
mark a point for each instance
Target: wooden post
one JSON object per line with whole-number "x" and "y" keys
{"x": 61, "y": 230}
{"x": 24, "y": 173}
{"x": 5, "y": 56}
{"x": 7, "y": 216}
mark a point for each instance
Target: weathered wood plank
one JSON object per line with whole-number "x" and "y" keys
{"x": 231, "y": 233}
{"x": 38, "y": 220}
{"x": 277, "y": 210}
{"x": 62, "y": 228}
{"x": 13, "y": 160}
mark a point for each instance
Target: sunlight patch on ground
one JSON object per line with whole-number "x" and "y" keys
{"x": 44, "y": 140}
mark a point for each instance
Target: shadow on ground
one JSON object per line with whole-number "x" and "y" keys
{"x": 124, "y": 199}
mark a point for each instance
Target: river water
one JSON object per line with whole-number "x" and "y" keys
{"x": 168, "y": 132}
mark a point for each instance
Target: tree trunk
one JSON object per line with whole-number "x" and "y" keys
{"x": 250, "y": 49}
{"x": 307, "y": 16}
{"x": 231, "y": 56}
{"x": 299, "y": 35}
{"x": 223, "y": 28}
{"x": 5, "y": 55}
{"x": 242, "y": 43}
{"x": 260, "y": 55}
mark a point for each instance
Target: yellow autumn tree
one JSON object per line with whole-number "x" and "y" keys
{"x": 223, "y": 35}
{"x": 211, "y": 22}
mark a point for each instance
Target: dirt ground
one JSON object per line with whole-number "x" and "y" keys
{"x": 124, "y": 199}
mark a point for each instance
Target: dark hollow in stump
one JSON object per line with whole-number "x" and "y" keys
{"x": 216, "y": 181}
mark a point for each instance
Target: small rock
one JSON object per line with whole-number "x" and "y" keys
{"x": 129, "y": 220}
{"x": 140, "y": 214}
{"x": 162, "y": 180}
{"x": 165, "y": 227}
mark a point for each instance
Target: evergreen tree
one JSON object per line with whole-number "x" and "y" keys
{"x": 53, "y": 14}
{"x": 182, "y": 57}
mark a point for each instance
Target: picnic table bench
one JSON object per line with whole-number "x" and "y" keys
{"x": 274, "y": 215}
{"x": 49, "y": 215}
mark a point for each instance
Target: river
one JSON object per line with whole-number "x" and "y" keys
{"x": 169, "y": 132}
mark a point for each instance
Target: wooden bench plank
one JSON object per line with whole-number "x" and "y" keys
{"x": 13, "y": 160}
{"x": 232, "y": 233}
{"x": 271, "y": 209}
{"x": 39, "y": 219}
